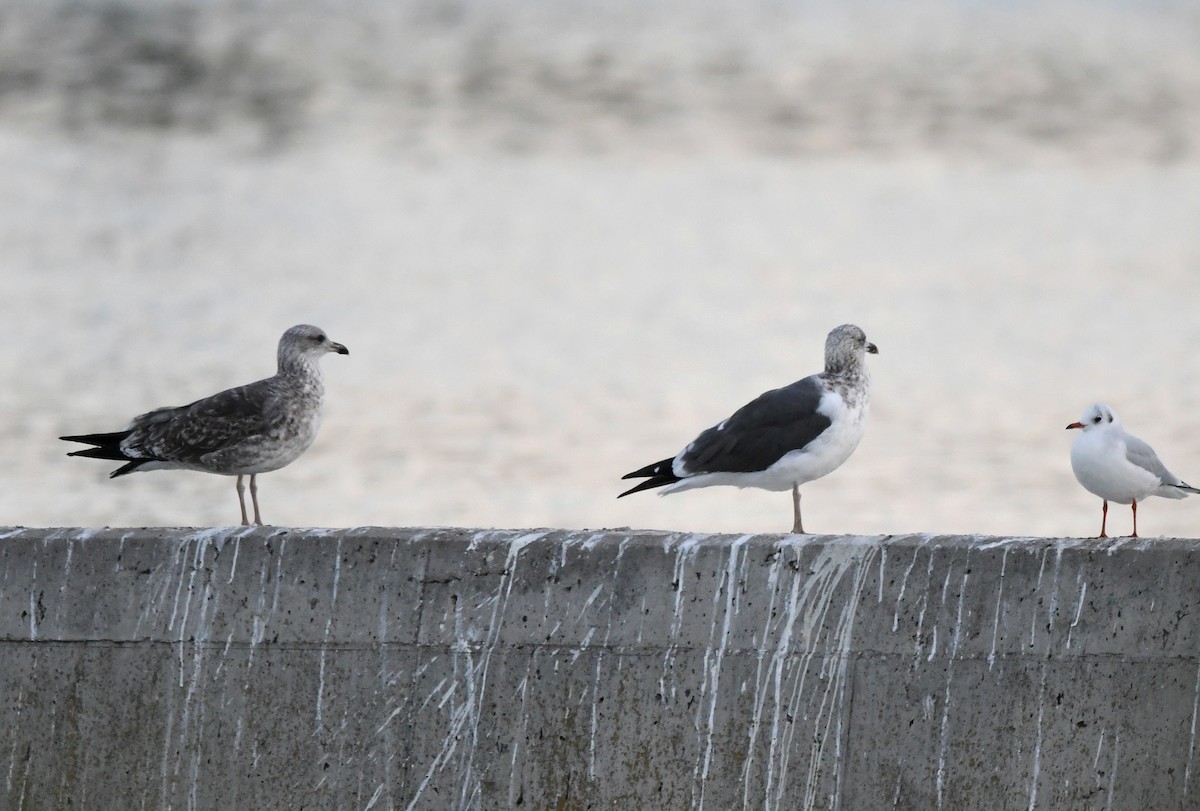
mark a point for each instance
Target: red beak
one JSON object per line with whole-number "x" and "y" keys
{"x": 1075, "y": 425}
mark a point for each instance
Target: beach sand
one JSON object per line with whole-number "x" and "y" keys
{"x": 560, "y": 245}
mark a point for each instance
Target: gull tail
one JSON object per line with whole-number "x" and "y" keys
{"x": 1187, "y": 488}
{"x": 107, "y": 446}
{"x": 658, "y": 474}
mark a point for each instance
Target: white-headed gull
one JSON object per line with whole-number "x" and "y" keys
{"x": 242, "y": 431}
{"x": 1117, "y": 466}
{"x": 782, "y": 438}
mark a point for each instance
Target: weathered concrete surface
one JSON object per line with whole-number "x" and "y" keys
{"x": 444, "y": 669}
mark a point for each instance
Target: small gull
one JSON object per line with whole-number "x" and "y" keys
{"x": 783, "y": 438}
{"x": 1116, "y": 466}
{"x": 242, "y": 431}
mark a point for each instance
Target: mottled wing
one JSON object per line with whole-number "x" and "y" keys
{"x": 760, "y": 432}
{"x": 189, "y": 433}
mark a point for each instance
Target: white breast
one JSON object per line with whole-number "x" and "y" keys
{"x": 1098, "y": 460}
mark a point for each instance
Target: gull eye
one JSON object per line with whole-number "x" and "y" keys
{"x": 1097, "y": 419}
{"x": 320, "y": 338}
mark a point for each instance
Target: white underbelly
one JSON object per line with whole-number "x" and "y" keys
{"x": 819, "y": 458}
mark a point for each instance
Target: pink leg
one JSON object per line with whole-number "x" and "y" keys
{"x": 241, "y": 491}
{"x": 1135, "y": 518}
{"x": 797, "y": 524}
{"x": 254, "y": 497}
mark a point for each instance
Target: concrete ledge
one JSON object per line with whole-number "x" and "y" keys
{"x": 382, "y": 668}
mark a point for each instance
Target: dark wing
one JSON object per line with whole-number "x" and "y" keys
{"x": 189, "y": 433}
{"x": 657, "y": 474}
{"x": 107, "y": 446}
{"x": 760, "y": 432}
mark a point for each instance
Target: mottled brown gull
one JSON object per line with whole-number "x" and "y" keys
{"x": 783, "y": 438}
{"x": 242, "y": 431}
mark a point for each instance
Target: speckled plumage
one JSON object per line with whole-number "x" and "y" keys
{"x": 246, "y": 430}
{"x": 784, "y": 437}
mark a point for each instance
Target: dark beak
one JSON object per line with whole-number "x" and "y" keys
{"x": 1075, "y": 425}
{"x": 341, "y": 350}
{"x": 872, "y": 349}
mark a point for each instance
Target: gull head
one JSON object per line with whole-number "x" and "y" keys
{"x": 846, "y": 347}
{"x": 310, "y": 340}
{"x": 1097, "y": 417}
{"x": 305, "y": 344}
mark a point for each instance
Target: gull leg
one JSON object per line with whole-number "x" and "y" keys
{"x": 1134, "y": 518}
{"x": 241, "y": 490}
{"x": 1104, "y": 521}
{"x": 797, "y": 525}
{"x": 254, "y": 498}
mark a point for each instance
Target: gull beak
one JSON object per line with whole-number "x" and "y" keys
{"x": 341, "y": 350}
{"x": 872, "y": 349}
{"x": 1075, "y": 425}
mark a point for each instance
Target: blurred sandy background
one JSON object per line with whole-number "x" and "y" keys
{"x": 561, "y": 237}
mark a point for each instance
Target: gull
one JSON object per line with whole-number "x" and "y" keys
{"x": 783, "y": 438}
{"x": 1117, "y": 466}
{"x": 242, "y": 431}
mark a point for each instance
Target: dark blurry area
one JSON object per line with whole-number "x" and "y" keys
{"x": 763, "y": 77}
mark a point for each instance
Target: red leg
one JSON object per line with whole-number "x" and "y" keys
{"x": 1135, "y": 518}
{"x": 1104, "y": 520}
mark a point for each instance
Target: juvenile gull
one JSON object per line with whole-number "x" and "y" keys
{"x": 247, "y": 430}
{"x": 1116, "y": 466}
{"x": 783, "y": 438}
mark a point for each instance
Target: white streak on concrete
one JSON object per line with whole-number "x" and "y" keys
{"x": 258, "y": 624}
{"x": 63, "y": 587}
{"x": 514, "y": 782}
{"x": 595, "y": 715}
{"x": 882, "y": 564}
{"x": 1187, "y": 772}
{"x": 392, "y": 715}
{"x": 1112, "y": 769}
{"x": 685, "y": 549}
{"x": 713, "y": 658}
{"x": 337, "y": 573}
{"x": 445, "y": 696}
{"x": 1083, "y": 586}
{"x": 583, "y": 644}
{"x": 18, "y": 706}
{"x": 806, "y": 610}
{"x": 237, "y": 546}
{"x": 903, "y": 588}
{"x": 1037, "y": 746}
{"x": 465, "y": 717}
{"x": 760, "y": 694}
{"x": 1052, "y": 606}
{"x": 196, "y": 565}
{"x": 591, "y": 599}
{"x": 991, "y": 659}
{"x": 944, "y": 726}
{"x": 921, "y": 613}
{"x": 278, "y": 576}
{"x": 375, "y": 797}
{"x": 33, "y": 630}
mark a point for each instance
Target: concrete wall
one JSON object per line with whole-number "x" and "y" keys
{"x": 445, "y": 669}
